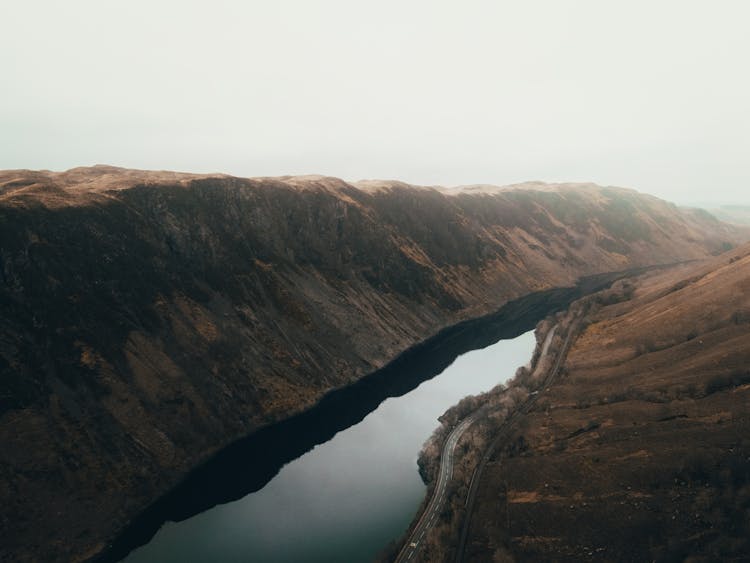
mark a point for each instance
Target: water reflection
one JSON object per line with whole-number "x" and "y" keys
{"x": 345, "y": 499}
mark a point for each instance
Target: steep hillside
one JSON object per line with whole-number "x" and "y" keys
{"x": 150, "y": 318}
{"x": 641, "y": 451}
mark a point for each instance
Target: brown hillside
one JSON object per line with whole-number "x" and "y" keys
{"x": 151, "y": 318}
{"x": 641, "y": 451}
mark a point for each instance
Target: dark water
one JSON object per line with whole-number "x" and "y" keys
{"x": 250, "y": 465}
{"x": 347, "y": 498}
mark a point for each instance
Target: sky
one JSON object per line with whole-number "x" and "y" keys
{"x": 653, "y": 95}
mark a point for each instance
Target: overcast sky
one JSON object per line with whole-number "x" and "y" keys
{"x": 652, "y": 95}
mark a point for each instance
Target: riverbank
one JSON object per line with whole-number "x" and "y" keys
{"x": 494, "y": 411}
{"x": 636, "y": 451}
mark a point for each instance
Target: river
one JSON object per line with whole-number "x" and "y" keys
{"x": 345, "y": 499}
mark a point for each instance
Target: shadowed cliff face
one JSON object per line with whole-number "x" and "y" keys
{"x": 149, "y": 319}
{"x": 641, "y": 451}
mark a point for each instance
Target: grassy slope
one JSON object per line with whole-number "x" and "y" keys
{"x": 641, "y": 451}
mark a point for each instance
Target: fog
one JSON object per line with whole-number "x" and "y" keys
{"x": 649, "y": 95}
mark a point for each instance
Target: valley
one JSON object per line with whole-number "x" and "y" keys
{"x": 151, "y": 319}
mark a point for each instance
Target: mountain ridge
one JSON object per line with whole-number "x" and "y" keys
{"x": 151, "y": 318}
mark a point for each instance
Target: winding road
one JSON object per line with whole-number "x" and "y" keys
{"x": 506, "y": 427}
{"x": 414, "y": 543}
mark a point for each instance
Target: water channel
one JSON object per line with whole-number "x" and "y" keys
{"x": 345, "y": 499}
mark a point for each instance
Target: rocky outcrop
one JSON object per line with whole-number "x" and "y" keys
{"x": 151, "y": 318}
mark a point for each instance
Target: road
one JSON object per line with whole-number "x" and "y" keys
{"x": 506, "y": 427}
{"x": 415, "y": 541}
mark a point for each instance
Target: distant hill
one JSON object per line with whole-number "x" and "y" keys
{"x": 736, "y": 214}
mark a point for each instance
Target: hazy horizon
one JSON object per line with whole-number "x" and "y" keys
{"x": 639, "y": 95}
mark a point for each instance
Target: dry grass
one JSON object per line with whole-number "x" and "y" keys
{"x": 637, "y": 454}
